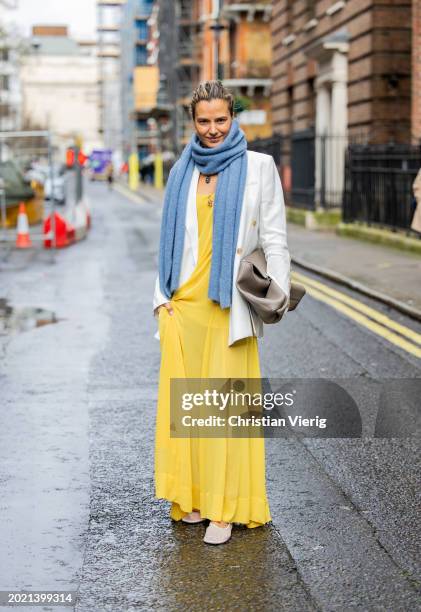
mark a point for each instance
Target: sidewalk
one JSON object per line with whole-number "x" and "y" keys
{"x": 374, "y": 269}
{"x": 381, "y": 272}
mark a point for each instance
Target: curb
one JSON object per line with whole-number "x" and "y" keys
{"x": 396, "y": 240}
{"x": 330, "y": 221}
{"x": 325, "y": 220}
{"x": 413, "y": 313}
{"x": 142, "y": 198}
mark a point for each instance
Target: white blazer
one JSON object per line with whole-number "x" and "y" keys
{"x": 262, "y": 224}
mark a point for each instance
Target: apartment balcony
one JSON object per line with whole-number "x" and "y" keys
{"x": 109, "y": 53}
{"x": 249, "y": 84}
{"x": 248, "y": 9}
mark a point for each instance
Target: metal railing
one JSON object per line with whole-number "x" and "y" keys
{"x": 378, "y": 184}
{"x": 370, "y": 183}
{"x": 271, "y": 146}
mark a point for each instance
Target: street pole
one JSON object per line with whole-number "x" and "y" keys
{"x": 79, "y": 182}
{"x": 53, "y": 202}
{"x": 159, "y": 164}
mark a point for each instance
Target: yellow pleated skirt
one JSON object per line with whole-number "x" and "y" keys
{"x": 224, "y": 477}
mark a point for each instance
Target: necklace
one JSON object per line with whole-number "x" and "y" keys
{"x": 208, "y": 178}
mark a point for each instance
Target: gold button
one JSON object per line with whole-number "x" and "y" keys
{"x": 239, "y": 251}
{"x": 254, "y": 222}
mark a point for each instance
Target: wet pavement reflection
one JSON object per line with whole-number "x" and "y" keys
{"x": 16, "y": 320}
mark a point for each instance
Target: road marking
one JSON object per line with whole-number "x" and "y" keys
{"x": 375, "y": 321}
{"x": 128, "y": 194}
{"x": 370, "y": 312}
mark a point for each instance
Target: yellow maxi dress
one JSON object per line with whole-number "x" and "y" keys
{"x": 224, "y": 478}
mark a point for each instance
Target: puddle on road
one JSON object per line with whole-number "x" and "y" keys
{"x": 15, "y": 320}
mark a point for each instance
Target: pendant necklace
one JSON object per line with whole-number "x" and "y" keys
{"x": 208, "y": 180}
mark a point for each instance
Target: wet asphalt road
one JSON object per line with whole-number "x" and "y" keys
{"x": 76, "y": 451}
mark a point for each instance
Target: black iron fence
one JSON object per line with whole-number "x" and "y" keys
{"x": 371, "y": 183}
{"x": 303, "y": 187}
{"x": 378, "y": 184}
{"x": 271, "y": 146}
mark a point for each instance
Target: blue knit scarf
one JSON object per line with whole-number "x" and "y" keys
{"x": 229, "y": 161}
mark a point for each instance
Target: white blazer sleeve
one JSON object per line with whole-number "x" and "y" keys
{"x": 158, "y": 297}
{"x": 273, "y": 227}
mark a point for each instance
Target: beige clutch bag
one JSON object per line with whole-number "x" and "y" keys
{"x": 262, "y": 293}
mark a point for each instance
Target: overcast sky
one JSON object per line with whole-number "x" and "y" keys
{"x": 79, "y": 15}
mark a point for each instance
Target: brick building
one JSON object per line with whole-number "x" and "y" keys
{"x": 341, "y": 73}
{"x": 246, "y": 57}
{"x": 416, "y": 72}
{"x": 230, "y": 39}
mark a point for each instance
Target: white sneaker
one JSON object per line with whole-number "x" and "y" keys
{"x": 217, "y": 535}
{"x": 193, "y": 517}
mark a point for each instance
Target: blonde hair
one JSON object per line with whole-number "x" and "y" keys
{"x": 211, "y": 90}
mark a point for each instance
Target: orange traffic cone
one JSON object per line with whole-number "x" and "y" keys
{"x": 23, "y": 239}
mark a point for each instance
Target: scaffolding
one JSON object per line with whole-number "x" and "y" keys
{"x": 188, "y": 63}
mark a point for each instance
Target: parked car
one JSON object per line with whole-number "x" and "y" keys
{"x": 59, "y": 181}
{"x": 59, "y": 186}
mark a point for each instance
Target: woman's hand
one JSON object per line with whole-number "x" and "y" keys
{"x": 167, "y": 305}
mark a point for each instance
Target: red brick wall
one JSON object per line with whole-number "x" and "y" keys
{"x": 416, "y": 71}
{"x": 379, "y": 66}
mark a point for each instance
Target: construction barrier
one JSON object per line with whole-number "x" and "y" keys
{"x": 23, "y": 239}
{"x": 65, "y": 233}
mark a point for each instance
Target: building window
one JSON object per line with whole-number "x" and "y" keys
{"x": 142, "y": 29}
{"x": 311, "y": 9}
{"x": 4, "y": 82}
{"x": 143, "y": 151}
{"x": 144, "y": 7}
{"x": 311, "y": 106}
{"x": 141, "y": 55}
{"x": 290, "y": 15}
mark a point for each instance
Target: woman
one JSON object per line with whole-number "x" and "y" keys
{"x": 221, "y": 202}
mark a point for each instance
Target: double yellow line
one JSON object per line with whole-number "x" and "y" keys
{"x": 134, "y": 197}
{"x": 399, "y": 335}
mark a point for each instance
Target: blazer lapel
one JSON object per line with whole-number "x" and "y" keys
{"x": 192, "y": 227}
